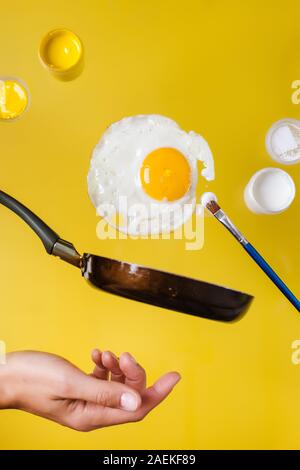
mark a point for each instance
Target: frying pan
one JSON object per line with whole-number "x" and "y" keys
{"x": 138, "y": 282}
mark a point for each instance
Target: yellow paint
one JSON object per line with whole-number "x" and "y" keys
{"x": 13, "y": 99}
{"x": 60, "y": 50}
{"x": 224, "y": 69}
{"x": 165, "y": 174}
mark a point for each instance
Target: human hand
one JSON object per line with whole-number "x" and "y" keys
{"x": 50, "y": 386}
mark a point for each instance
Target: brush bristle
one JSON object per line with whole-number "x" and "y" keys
{"x": 212, "y": 206}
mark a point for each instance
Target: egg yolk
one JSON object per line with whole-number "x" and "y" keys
{"x": 165, "y": 174}
{"x": 62, "y": 50}
{"x": 13, "y": 99}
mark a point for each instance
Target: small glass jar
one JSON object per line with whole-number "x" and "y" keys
{"x": 14, "y": 98}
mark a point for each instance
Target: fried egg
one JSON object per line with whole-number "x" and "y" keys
{"x": 143, "y": 174}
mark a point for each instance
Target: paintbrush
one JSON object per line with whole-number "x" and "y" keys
{"x": 209, "y": 201}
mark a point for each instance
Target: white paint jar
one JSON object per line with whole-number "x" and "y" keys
{"x": 269, "y": 191}
{"x": 283, "y": 141}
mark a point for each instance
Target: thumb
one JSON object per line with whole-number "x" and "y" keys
{"x": 105, "y": 393}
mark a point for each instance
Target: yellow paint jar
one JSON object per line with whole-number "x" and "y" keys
{"x": 14, "y": 98}
{"x": 61, "y": 52}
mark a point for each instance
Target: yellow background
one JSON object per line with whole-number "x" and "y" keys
{"x": 223, "y": 69}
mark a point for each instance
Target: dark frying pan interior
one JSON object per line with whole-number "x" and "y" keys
{"x": 138, "y": 282}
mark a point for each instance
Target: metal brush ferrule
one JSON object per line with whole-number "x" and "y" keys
{"x": 224, "y": 219}
{"x": 67, "y": 252}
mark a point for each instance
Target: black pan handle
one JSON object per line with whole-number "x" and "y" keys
{"x": 53, "y": 244}
{"x": 46, "y": 234}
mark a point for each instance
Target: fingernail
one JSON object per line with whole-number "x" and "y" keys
{"x": 178, "y": 379}
{"x": 129, "y": 356}
{"x": 109, "y": 353}
{"x": 129, "y": 402}
{"x": 132, "y": 358}
{"x": 106, "y": 354}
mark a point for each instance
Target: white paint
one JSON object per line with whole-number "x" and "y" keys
{"x": 207, "y": 197}
{"x": 283, "y": 141}
{"x": 269, "y": 191}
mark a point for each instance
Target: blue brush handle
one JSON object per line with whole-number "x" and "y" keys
{"x": 272, "y": 275}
